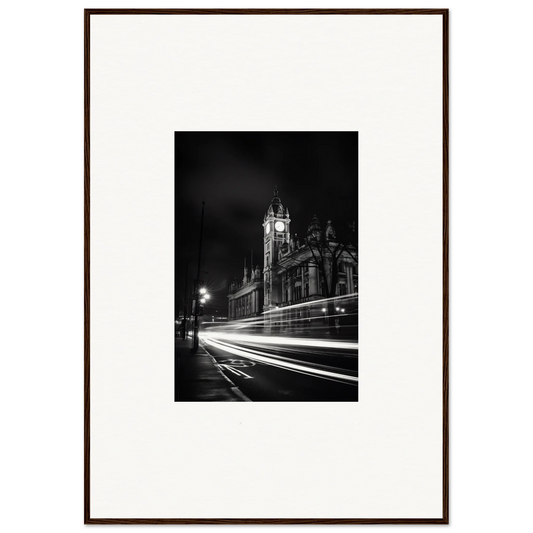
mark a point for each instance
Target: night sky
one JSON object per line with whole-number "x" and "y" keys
{"x": 235, "y": 174}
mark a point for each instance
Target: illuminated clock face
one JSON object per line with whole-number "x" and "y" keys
{"x": 268, "y": 228}
{"x": 279, "y": 226}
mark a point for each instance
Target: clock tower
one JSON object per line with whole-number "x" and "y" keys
{"x": 276, "y": 231}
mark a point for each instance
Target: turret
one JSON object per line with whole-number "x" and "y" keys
{"x": 276, "y": 207}
{"x": 245, "y": 277}
{"x": 314, "y": 233}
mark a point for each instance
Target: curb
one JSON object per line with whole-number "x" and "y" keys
{"x": 233, "y": 387}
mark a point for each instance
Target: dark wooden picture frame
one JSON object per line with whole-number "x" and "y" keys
{"x": 445, "y": 265}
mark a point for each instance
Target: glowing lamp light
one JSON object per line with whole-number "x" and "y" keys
{"x": 207, "y": 296}
{"x": 203, "y": 290}
{"x": 202, "y": 300}
{"x": 323, "y": 309}
{"x": 337, "y": 309}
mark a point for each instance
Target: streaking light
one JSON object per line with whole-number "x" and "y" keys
{"x": 322, "y": 301}
{"x": 264, "y": 358}
{"x": 282, "y": 341}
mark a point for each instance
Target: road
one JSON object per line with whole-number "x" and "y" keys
{"x": 266, "y": 369}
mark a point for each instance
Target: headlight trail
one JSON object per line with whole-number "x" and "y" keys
{"x": 266, "y": 358}
{"x": 313, "y": 303}
{"x": 281, "y": 341}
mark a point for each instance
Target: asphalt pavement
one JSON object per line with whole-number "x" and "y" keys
{"x": 266, "y": 373}
{"x": 253, "y": 369}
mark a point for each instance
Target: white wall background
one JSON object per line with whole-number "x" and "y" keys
{"x": 388, "y": 446}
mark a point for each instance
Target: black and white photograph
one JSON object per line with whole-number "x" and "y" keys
{"x": 239, "y": 163}
{"x": 266, "y": 267}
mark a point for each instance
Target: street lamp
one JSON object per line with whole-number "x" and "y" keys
{"x": 197, "y": 283}
{"x": 203, "y": 295}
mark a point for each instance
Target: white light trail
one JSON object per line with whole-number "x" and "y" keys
{"x": 264, "y": 358}
{"x": 313, "y": 303}
{"x": 281, "y": 341}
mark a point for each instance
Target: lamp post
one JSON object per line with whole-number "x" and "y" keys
{"x": 197, "y": 287}
{"x": 184, "y": 333}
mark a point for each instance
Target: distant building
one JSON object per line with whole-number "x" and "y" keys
{"x": 246, "y": 296}
{"x": 294, "y": 272}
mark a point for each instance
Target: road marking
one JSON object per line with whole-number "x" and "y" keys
{"x": 236, "y": 371}
{"x": 234, "y": 387}
{"x": 238, "y": 362}
{"x": 264, "y": 358}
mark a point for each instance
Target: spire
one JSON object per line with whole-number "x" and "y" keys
{"x": 276, "y": 207}
{"x": 276, "y": 200}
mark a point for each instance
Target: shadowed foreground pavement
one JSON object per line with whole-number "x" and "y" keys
{"x": 198, "y": 379}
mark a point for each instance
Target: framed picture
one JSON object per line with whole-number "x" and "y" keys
{"x": 266, "y": 266}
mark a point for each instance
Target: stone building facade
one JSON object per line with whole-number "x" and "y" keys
{"x": 294, "y": 273}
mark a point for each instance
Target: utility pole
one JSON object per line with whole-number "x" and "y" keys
{"x": 185, "y": 322}
{"x": 197, "y": 286}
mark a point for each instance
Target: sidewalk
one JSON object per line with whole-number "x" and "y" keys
{"x": 198, "y": 379}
